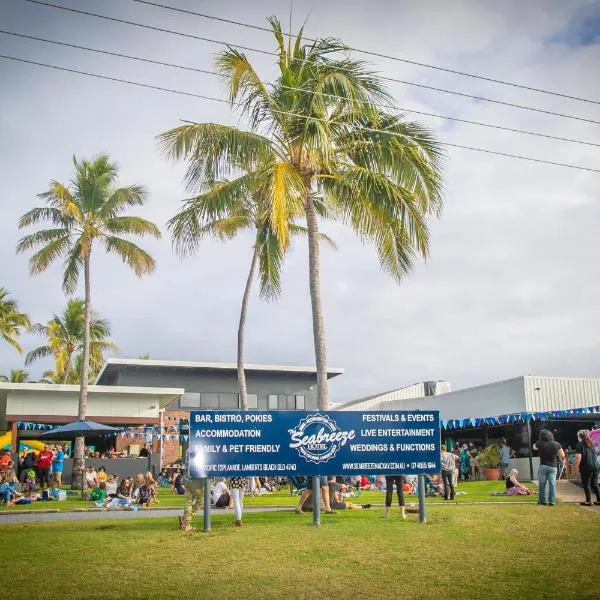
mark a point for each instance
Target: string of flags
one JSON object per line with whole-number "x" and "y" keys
{"x": 522, "y": 417}
{"x": 27, "y": 425}
{"x": 173, "y": 432}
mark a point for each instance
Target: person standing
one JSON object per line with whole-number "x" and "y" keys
{"x": 448, "y": 461}
{"x": 505, "y": 459}
{"x": 586, "y": 462}
{"x": 58, "y": 463}
{"x": 550, "y": 452}
{"x": 237, "y": 486}
{"x": 44, "y": 464}
{"x": 399, "y": 480}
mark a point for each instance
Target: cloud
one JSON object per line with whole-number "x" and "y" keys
{"x": 510, "y": 287}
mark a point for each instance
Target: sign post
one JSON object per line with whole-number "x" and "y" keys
{"x": 206, "y": 504}
{"x": 421, "y": 486}
{"x": 316, "y": 500}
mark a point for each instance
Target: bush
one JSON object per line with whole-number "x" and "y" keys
{"x": 490, "y": 457}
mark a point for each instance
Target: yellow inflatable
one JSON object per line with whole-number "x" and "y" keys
{"x": 6, "y": 439}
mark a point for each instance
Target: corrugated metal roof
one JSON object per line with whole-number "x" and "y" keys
{"x": 560, "y": 393}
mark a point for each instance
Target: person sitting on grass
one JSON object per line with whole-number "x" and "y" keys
{"x": 220, "y": 494}
{"x": 336, "y": 500}
{"x": 125, "y": 489}
{"x": 145, "y": 493}
{"x": 8, "y": 488}
{"x": 111, "y": 486}
{"x": 513, "y": 487}
{"x": 308, "y": 491}
{"x": 91, "y": 478}
{"x": 150, "y": 482}
{"x": 178, "y": 485}
{"x": 102, "y": 474}
{"x": 98, "y": 494}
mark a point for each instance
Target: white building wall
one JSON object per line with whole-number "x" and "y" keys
{"x": 560, "y": 393}
{"x": 66, "y": 403}
{"x": 488, "y": 400}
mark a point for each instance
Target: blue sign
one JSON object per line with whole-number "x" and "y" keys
{"x": 293, "y": 442}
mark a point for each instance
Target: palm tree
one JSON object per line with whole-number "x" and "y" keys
{"x": 323, "y": 133}
{"x": 64, "y": 335}
{"x": 16, "y": 376}
{"x": 89, "y": 210}
{"x": 12, "y": 322}
{"x": 223, "y": 211}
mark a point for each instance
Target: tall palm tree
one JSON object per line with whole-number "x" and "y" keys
{"x": 12, "y": 322}
{"x": 16, "y": 376}
{"x": 64, "y": 335}
{"x": 322, "y": 131}
{"x": 223, "y": 211}
{"x": 85, "y": 213}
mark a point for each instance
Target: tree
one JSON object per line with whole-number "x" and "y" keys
{"x": 223, "y": 211}
{"x": 86, "y": 212}
{"x": 12, "y": 322}
{"x": 16, "y": 376}
{"x": 64, "y": 335}
{"x": 322, "y": 133}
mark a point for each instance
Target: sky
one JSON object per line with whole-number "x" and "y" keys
{"x": 511, "y": 286}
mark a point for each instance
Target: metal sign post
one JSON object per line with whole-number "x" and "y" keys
{"x": 206, "y": 504}
{"x": 422, "y": 517}
{"x": 316, "y": 500}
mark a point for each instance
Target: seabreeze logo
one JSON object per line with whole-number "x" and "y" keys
{"x": 318, "y": 438}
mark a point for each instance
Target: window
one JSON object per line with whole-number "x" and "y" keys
{"x": 209, "y": 400}
{"x": 252, "y": 401}
{"x": 229, "y": 401}
{"x": 290, "y": 403}
{"x": 190, "y": 400}
{"x": 281, "y": 402}
{"x": 299, "y": 402}
{"x": 272, "y": 401}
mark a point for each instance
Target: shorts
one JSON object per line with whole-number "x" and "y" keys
{"x": 323, "y": 482}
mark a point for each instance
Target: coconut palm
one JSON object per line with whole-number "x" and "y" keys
{"x": 12, "y": 322}
{"x": 83, "y": 215}
{"x": 321, "y": 132}
{"x": 64, "y": 335}
{"x": 16, "y": 376}
{"x": 223, "y": 211}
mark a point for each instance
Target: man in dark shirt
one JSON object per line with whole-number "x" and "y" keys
{"x": 144, "y": 452}
{"x": 550, "y": 453}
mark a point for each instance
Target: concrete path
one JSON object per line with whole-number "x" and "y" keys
{"x": 32, "y": 517}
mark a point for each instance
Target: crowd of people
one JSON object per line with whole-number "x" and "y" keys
{"x": 36, "y": 473}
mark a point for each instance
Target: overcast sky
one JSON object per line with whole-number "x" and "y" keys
{"x": 512, "y": 284}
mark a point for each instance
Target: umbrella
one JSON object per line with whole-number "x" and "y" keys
{"x": 80, "y": 428}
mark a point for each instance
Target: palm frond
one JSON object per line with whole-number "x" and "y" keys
{"x": 132, "y": 225}
{"x": 45, "y": 213}
{"x": 41, "y": 237}
{"x": 72, "y": 267}
{"x": 299, "y": 230}
{"x": 139, "y": 260}
{"x": 42, "y": 259}
{"x": 214, "y": 152}
{"x": 37, "y": 353}
{"x": 270, "y": 261}
{"x": 286, "y": 191}
{"x": 120, "y": 199}
{"x": 59, "y": 197}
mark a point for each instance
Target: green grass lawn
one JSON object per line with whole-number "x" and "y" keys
{"x": 463, "y": 552}
{"x": 475, "y": 491}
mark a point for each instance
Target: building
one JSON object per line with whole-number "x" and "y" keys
{"x": 43, "y": 404}
{"x": 516, "y": 409}
{"x": 214, "y": 386}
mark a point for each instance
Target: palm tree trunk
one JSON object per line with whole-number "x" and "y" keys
{"x": 241, "y": 331}
{"x": 78, "y": 455}
{"x": 315, "y": 300}
{"x": 67, "y": 370}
